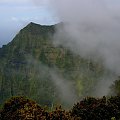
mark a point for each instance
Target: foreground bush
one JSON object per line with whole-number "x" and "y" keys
{"x": 19, "y": 108}
{"x": 97, "y": 109}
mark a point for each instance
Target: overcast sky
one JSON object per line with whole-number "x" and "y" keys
{"x": 15, "y": 14}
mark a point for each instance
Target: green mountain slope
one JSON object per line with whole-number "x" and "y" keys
{"x": 30, "y": 64}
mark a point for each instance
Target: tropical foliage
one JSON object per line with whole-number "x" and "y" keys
{"x": 20, "y": 108}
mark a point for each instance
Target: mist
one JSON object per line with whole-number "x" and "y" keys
{"x": 64, "y": 88}
{"x": 90, "y": 29}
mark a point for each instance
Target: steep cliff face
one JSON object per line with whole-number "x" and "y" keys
{"x": 26, "y": 65}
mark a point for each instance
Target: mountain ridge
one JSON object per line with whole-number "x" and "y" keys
{"x": 26, "y": 62}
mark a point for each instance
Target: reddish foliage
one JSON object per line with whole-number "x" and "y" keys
{"x": 19, "y": 108}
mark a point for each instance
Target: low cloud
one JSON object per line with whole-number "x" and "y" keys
{"x": 91, "y": 29}
{"x": 65, "y": 88}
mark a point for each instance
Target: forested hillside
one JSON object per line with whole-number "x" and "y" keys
{"x": 31, "y": 65}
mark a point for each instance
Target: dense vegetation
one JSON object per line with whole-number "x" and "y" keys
{"x": 27, "y": 61}
{"x": 19, "y": 108}
{"x": 115, "y": 87}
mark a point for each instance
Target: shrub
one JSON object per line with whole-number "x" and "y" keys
{"x": 97, "y": 109}
{"x": 19, "y": 108}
